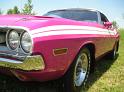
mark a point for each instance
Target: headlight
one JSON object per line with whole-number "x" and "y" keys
{"x": 26, "y": 42}
{"x": 13, "y": 39}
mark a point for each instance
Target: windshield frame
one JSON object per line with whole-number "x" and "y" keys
{"x": 64, "y": 12}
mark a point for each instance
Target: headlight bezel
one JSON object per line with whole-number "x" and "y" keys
{"x": 22, "y": 47}
{"x": 20, "y": 31}
{"x": 8, "y": 41}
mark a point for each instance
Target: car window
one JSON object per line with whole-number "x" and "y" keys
{"x": 78, "y": 15}
{"x": 103, "y": 18}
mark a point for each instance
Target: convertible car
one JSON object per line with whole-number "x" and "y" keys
{"x": 61, "y": 43}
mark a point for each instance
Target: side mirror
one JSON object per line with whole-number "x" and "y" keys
{"x": 107, "y": 24}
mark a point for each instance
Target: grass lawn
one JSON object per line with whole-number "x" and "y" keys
{"x": 109, "y": 74}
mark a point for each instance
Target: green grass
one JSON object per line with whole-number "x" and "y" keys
{"x": 109, "y": 74}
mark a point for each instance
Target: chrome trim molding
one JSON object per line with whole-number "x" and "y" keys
{"x": 30, "y": 63}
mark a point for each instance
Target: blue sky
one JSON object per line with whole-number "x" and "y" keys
{"x": 113, "y": 9}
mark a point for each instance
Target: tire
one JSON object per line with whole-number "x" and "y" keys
{"x": 78, "y": 73}
{"x": 113, "y": 53}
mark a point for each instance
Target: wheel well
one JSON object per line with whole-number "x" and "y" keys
{"x": 117, "y": 45}
{"x": 91, "y": 48}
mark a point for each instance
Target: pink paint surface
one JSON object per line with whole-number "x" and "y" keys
{"x": 56, "y": 66}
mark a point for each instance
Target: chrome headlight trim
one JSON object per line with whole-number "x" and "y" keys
{"x": 21, "y": 44}
{"x": 8, "y": 42}
{"x": 23, "y": 29}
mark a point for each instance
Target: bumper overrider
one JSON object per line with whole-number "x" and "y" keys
{"x": 29, "y": 63}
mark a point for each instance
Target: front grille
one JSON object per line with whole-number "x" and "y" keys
{"x": 4, "y": 50}
{"x": 2, "y": 37}
{"x": 3, "y": 46}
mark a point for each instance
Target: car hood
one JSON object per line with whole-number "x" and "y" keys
{"x": 28, "y": 21}
{"x": 35, "y": 22}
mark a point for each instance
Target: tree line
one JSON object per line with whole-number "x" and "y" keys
{"x": 27, "y": 9}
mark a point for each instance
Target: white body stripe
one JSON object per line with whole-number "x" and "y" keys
{"x": 60, "y": 27}
{"x": 69, "y": 29}
{"x": 66, "y": 32}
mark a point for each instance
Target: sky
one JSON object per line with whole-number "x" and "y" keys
{"x": 113, "y": 9}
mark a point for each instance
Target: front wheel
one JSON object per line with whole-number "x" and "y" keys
{"x": 78, "y": 73}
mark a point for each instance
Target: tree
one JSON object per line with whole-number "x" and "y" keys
{"x": 28, "y": 7}
{"x": 114, "y": 23}
{"x": 15, "y": 10}
{"x": 9, "y": 11}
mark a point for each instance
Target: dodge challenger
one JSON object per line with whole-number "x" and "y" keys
{"x": 61, "y": 43}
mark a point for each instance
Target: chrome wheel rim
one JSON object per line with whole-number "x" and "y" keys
{"x": 81, "y": 69}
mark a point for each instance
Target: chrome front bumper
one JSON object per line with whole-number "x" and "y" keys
{"x": 28, "y": 64}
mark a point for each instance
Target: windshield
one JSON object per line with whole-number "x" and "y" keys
{"x": 78, "y": 15}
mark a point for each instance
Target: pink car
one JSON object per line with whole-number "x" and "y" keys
{"x": 62, "y": 43}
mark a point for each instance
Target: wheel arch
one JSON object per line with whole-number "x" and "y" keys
{"x": 91, "y": 48}
{"x": 117, "y": 45}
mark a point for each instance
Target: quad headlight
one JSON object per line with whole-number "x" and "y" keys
{"x": 26, "y": 42}
{"x": 15, "y": 40}
{"x": 12, "y": 39}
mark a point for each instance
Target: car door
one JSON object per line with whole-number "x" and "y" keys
{"x": 108, "y": 39}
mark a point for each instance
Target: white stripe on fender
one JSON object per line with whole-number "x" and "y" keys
{"x": 69, "y": 29}
{"x": 60, "y": 27}
{"x": 50, "y": 33}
